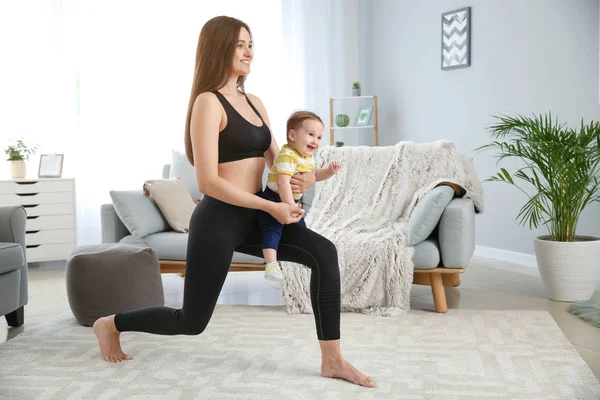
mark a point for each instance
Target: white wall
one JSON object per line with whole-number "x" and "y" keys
{"x": 527, "y": 56}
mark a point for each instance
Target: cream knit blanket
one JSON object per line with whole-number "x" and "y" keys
{"x": 364, "y": 211}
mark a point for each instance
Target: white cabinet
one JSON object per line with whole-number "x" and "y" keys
{"x": 51, "y": 215}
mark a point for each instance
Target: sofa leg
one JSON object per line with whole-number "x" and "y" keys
{"x": 455, "y": 280}
{"x": 439, "y": 296}
{"x": 16, "y": 318}
{"x": 451, "y": 280}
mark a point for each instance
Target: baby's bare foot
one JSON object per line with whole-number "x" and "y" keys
{"x": 344, "y": 370}
{"x": 108, "y": 340}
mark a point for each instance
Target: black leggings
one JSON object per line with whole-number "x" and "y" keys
{"x": 217, "y": 229}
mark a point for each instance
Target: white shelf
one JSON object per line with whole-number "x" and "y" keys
{"x": 351, "y": 127}
{"x": 353, "y": 97}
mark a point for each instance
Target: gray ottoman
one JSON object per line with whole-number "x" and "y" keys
{"x": 108, "y": 278}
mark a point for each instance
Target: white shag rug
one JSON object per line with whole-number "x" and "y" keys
{"x": 265, "y": 353}
{"x": 364, "y": 211}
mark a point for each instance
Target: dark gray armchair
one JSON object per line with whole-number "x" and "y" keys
{"x": 13, "y": 264}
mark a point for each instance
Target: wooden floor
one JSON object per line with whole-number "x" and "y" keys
{"x": 437, "y": 278}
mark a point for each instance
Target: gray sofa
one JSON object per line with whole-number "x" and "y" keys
{"x": 13, "y": 264}
{"x": 441, "y": 229}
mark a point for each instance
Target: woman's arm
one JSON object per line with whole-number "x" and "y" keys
{"x": 302, "y": 181}
{"x": 204, "y": 130}
{"x": 271, "y": 153}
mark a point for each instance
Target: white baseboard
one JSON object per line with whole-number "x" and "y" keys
{"x": 528, "y": 260}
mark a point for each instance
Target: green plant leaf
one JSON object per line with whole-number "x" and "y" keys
{"x": 562, "y": 166}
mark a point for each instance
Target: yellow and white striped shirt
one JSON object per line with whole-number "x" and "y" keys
{"x": 289, "y": 162}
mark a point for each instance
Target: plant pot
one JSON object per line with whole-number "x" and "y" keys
{"x": 356, "y": 92}
{"x": 17, "y": 169}
{"x": 569, "y": 270}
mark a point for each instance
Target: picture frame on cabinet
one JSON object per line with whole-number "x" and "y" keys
{"x": 51, "y": 165}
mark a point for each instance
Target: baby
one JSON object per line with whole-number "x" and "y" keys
{"x": 304, "y": 132}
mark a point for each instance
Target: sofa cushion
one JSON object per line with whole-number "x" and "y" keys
{"x": 246, "y": 259}
{"x": 307, "y": 199}
{"x": 140, "y": 214}
{"x": 182, "y": 169}
{"x": 427, "y": 213}
{"x": 11, "y": 257}
{"x": 173, "y": 246}
{"x": 173, "y": 200}
{"x": 427, "y": 254}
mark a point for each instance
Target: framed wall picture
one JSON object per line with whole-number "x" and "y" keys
{"x": 50, "y": 166}
{"x": 456, "y": 38}
{"x": 364, "y": 116}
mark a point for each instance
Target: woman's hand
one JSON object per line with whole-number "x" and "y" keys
{"x": 286, "y": 213}
{"x": 302, "y": 181}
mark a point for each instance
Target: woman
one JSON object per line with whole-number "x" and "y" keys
{"x": 228, "y": 140}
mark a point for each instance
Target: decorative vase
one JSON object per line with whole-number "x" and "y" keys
{"x": 342, "y": 120}
{"x": 17, "y": 169}
{"x": 356, "y": 92}
{"x": 569, "y": 270}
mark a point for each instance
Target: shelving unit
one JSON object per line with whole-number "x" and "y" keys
{"x": 333, "y": 128}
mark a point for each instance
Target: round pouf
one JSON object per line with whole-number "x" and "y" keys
{"x": 108, "y": 278}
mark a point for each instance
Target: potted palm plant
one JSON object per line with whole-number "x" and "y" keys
{"x": 562, "y": 166}
{"x": 17, "y": 155}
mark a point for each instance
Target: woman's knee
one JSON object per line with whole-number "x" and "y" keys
{"x": 190, "y": 322}
{"x": 194, "y": 327}
{"x": 326, "y": 259}
{"x": 326, "y": 250}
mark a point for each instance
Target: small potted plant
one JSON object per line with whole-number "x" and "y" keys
{"x": 561, "y": 167}
{"x": 339, "y": 144}
{"x": 356, "y": 89}
{"x": 17, "y": 155}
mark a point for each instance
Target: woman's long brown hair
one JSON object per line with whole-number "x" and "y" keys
{"x": 214, "y": 59}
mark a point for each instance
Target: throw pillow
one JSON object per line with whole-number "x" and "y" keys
{"x": 140, "y": 214}
{"x": 174, "y": 201}
{"x": 427, "y": 213}
{"x": 182, "y": 169}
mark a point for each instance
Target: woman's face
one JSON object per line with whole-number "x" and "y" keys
{"x": 243, "y": 54}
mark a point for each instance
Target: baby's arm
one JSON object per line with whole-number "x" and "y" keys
{"x": 285, "y": 188}
{"x": 326, "y": 173}
{"x": 285, "y": 165}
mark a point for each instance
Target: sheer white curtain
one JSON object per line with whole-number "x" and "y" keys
{"x": 321, "y": 46}
{"x": 37, "y": 88}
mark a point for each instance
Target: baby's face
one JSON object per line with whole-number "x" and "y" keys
{"x": 307, "y": 139}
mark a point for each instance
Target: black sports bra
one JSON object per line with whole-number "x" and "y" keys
{"x": 240, "y": 139}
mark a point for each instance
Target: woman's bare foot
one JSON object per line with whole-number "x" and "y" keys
{"x": 108, "y": 340}
{"x": 339, "y": 368}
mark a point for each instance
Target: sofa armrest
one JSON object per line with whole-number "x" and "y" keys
{"x": 13, "y": 223}
{"x": 113, "y": 229}
{"x": 13, "y": 220}
{"x": 456, "y": 233}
